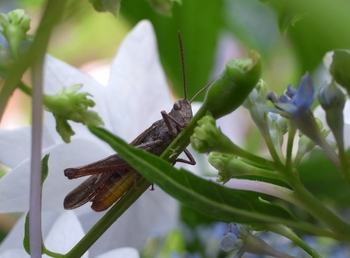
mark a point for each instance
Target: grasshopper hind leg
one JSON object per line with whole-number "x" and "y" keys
{"x": 190, "y": 161}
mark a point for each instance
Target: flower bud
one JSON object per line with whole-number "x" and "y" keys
{"x": 207, "y": 137}
{"x": 232, "y": 86}
{"x": 70, "y": 105}
{"x": 332, "y": 100}
{"x": 15, "y": 26}
{"x": 339, "y": 68}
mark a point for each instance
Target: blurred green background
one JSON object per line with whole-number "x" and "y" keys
{"x": 291, "y": 36}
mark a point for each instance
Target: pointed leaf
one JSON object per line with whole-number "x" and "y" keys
{"x": 206, "y": 196}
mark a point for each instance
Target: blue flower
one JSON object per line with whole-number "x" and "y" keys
{"x": 240, "y": 240}
{"x": 295, "y": 102}
{"x": 295, "y": 105}
{"x": 231, "y": 240}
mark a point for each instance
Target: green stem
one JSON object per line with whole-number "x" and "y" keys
{"x": 316, "y": 208}
{"x": 343, "y": 160}
{"x": 264, "y": 130}
{"x": 52, "y": 254}
{"x": 291, "y": 134}
{"x": 27, "y": 90}
{"x": 286, "y": 232}
{"x": 256, "y": 171}
{"x": 253, "y": 158}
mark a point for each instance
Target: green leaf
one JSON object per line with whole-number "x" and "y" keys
{"x": 163, "y": 7}
{"x": 321, "y": 176}
{"x": 111, "y": 6}
{"x": 44, "y": 173}
{"x": 206, "y": 196}
{"x": 44, "y": 168}
{"x": 199, "y": 25}
{"x": 26, "y": 239}
{"x": 325, "y": 27}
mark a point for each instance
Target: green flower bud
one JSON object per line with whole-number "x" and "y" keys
{"x": 232, "y": 86}
{"x": 207, "y": 137}
{"x": 15, "y": 26}
{"x": 230, "y": 166}
{"x": 340, "y": 68}
{"x": 331, "y": 96}
{"x": 70, "y": 105}
{"x": 332, "y": 100}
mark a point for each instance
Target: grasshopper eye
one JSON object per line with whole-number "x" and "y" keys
{"x": 177, "y": 105}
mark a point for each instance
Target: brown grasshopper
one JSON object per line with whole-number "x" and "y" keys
{"x": 111, "y": 177}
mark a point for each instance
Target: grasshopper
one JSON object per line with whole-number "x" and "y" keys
{"x": 112, "y": 177}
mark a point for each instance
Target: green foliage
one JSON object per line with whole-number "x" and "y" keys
{"x": 208, "y": 197}
{"x": 233, "y": 85}
{"x": 111, "y": 6}
{"x": 320, "y": 176}
{"x": 199, "y": 25}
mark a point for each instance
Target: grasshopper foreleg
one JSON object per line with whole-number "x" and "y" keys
{"x": 173, "y": 132}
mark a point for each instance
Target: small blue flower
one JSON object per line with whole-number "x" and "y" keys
{"x": 295, "y": 101}
{"x": 240, "y": 240}
{"x": 295, "y": 105}
{"x": 231, "y": 240}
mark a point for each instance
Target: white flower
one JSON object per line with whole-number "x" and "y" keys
{"x": 136, "y": 93}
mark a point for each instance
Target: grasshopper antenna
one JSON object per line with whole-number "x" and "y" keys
{"x": 184, "y": 73}
{"x": 182, "y": 65}
{"x": 201, "y": 90}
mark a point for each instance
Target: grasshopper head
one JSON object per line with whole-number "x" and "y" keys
{"x": 182, "y": 112}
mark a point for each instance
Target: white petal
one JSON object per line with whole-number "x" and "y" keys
{"x": 65, "y": 233}
{"x": 137, "y": 89}
{"x": 236, "y": 125}
{"x": 328, "y": 59}
{"x": 14, "y": 253}
{"x": 15, "y": 145}
{"x": 59, "y": 74}
{"x": 14, "y": 240}
{"x": 125, "y": 252}
{"x": 14, "y": 187}
{"x": 346, "y": 112}
{"x": 320, "y": 114}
